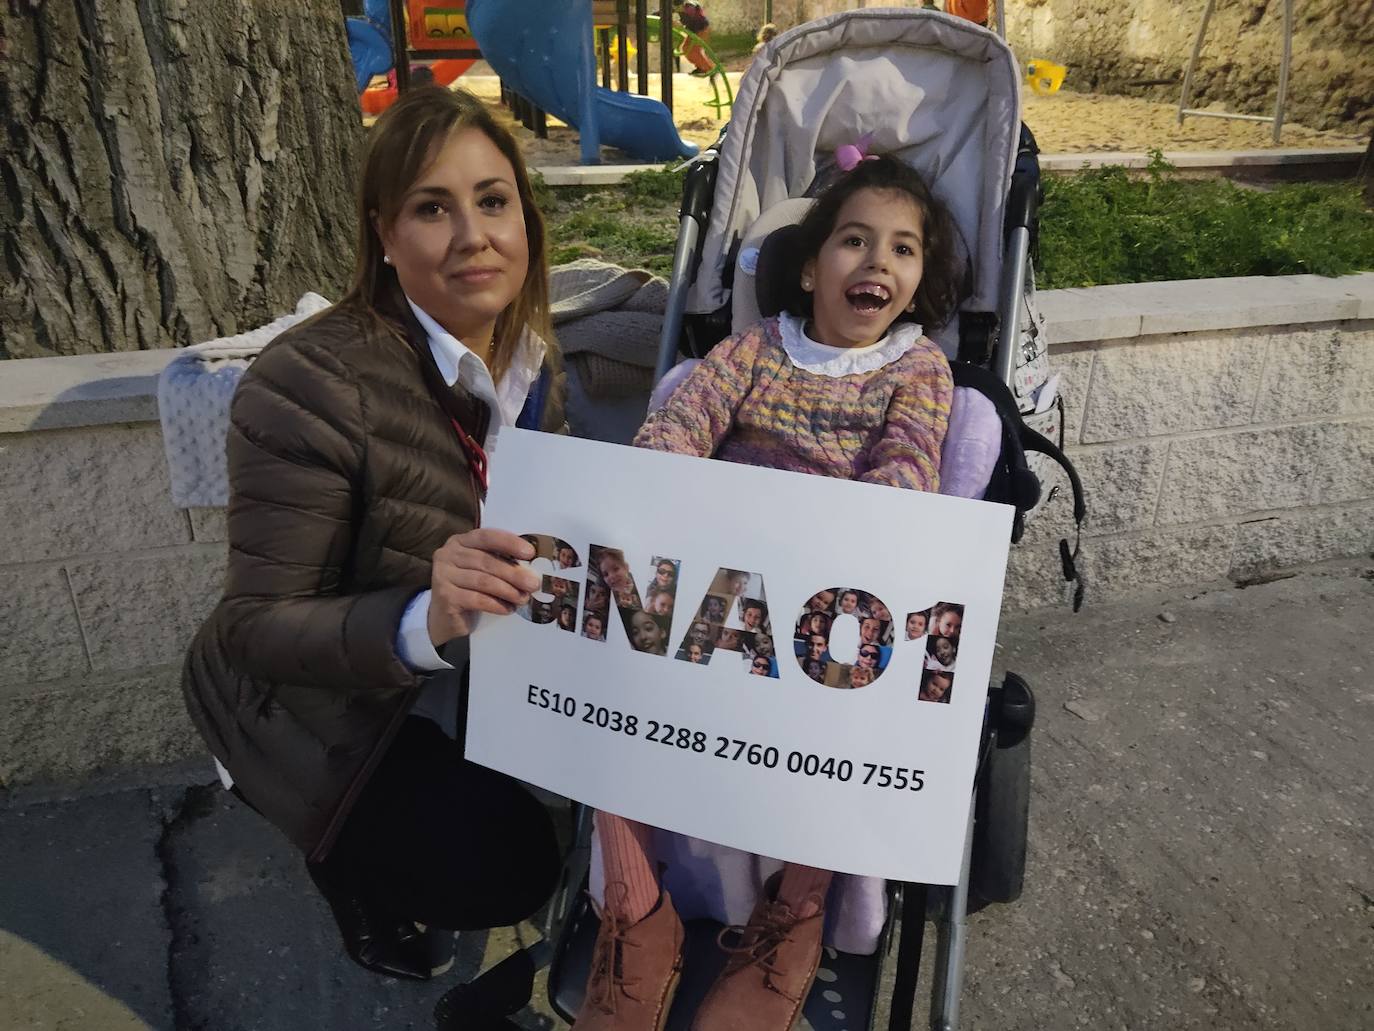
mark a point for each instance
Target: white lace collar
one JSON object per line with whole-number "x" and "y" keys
{"x": 825, "y": 360}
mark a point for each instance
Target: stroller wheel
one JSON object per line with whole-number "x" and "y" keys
{"x": 999, "y": 834}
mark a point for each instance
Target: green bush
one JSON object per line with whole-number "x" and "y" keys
{"x": 1103, "y": 226}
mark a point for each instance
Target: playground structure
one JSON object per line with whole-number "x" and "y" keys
{"x": 544, "y": 53}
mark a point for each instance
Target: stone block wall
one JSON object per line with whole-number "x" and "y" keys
{"x": 1214, "y": 454}
{"x": 1225, "y": 430}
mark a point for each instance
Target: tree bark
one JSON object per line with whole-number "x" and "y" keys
{"x": 174, "y": 170}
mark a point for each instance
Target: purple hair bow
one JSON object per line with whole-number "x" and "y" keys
{"x": 850, "y": 154}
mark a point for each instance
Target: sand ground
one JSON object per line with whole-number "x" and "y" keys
{"x": 1065, "y": 122}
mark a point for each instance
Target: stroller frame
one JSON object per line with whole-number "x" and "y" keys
{"x": 993, "y": 862}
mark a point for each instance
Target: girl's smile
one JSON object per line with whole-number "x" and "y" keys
{"x": 868, "y": 269}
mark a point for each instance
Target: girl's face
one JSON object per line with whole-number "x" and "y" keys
{"x": 728, "y": 639}
{"x": 761, "y": 667}
{"x": 849, "y": 601}
{"x": 937, "y": 686}
{"x": 700, "y": 633}
{"x": 948, "y": 625}
{"x": 598, "y": 598}
{"x": 592, "y": 627}
{"x": 661, "y": 604}
{"x": 567, "y": 558}
{"x": 664, "y": 575}
{"x": 567, "y": 618}
{"x": 860, "y": 676}
{"x": 458, "y": 241}
{"x": 615, "y": 572}
{"x": 645, "y": 634}
{"x": 752, "y": 618}
{"x": 694, "y": 653}
{"x": 763, "y": 645}
{"x": 868, "y": 657}
{"x": 880, "y": 612}
{"x": 868, "y": 268}
{"x": 915, "y": 625}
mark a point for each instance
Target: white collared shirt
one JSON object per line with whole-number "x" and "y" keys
{"x": 459, "y": 365}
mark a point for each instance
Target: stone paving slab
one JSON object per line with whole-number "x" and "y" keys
{"x": 1200, "y": 852}
{"x": 83, "y": 938}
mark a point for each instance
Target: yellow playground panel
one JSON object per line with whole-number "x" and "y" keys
{"x": 434, "y": 25}
{"x": 1044, "y": 77}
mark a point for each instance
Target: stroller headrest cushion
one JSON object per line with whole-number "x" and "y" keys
{"x": 744, "y": 302}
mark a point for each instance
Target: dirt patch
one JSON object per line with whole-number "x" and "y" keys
{"x": 1065, "y": 122}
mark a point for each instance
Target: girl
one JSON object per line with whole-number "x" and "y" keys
{"x": 842, "y": 384}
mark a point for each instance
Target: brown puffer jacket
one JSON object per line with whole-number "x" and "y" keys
{"x": 345, "y": 477}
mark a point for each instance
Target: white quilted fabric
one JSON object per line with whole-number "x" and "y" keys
{"x": 193, "y": 395}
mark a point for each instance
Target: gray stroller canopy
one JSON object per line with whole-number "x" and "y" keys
{"x": 937, "y": 91}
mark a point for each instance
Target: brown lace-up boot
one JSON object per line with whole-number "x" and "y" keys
{"x": 773, "y": 961}
{"x": 635, "y": 970}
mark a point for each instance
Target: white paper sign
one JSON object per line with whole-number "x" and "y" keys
{"x": 640, "y": 681}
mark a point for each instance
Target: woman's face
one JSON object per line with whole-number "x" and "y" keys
{"x": 458, "y": 241}
{"x": 761, "y": 667}
{"x": 598, "y": 598}
{"x": 645, "y": 633}
{"x": 868, "y": 657}
{"x": 567, "y": 617}
{"x": 694, "y": 652}
{"x": 915, "y": 625}
{"x": 700, "y": 633}
{"x": 664, "y": 574}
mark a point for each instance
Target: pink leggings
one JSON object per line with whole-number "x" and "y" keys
{"x": 632, "y": 887}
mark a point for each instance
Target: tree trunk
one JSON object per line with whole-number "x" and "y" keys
{"x": 174, "y": 170}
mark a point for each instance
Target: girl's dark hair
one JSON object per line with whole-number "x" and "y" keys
{"x": 942, "y": 274}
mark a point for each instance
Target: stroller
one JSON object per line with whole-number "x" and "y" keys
{"x": 941, "y": 94}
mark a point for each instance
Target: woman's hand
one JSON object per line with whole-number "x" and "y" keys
{"x": 477, "y": 572}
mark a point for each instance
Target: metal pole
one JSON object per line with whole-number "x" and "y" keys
{"x": 642, "y": 42}
{"x": 622, "y": 30}
{"x": 1283, "y": 68}
{"x": 665, "y": 51}
{"x": 1001, "y": 21}
{"x": 1187, "y": 93}
{"x": 400, "y": 47}
{"x": 688, "y": 232}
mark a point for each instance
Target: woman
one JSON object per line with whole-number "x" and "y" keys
{"x": 357, "y": 467}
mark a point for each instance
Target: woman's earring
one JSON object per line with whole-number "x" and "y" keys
{"x": 386, "y": 258}
{"x": 806, "y": 283}
{"x": 911, "y": 307}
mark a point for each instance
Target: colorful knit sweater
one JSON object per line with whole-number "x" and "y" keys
{"x": 748, "y": 402}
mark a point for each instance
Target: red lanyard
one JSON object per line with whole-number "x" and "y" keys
{"x": 477, "y": 458}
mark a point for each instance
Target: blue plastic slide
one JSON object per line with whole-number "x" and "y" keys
{"x": 543, "y": 50}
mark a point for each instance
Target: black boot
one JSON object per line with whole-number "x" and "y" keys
{"x": 382, "y": 942}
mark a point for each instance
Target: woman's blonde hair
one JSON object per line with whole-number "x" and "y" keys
{"x": 400, "y": 147}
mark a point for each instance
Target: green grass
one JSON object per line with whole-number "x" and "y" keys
{"x": 1104, "y": 226}
{"x": 633, "y": 224}
{"x": 1097, "y": 226}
